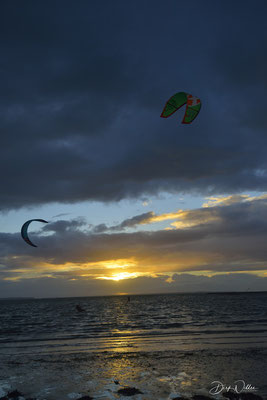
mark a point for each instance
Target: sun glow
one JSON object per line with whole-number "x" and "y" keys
{"x": 120, "y": 276}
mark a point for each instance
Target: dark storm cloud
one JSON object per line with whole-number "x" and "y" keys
{"x": 83, "y": 86}
{"x": 225, "y": 238}
{"x": 127, "y": 223}
{"x": 63, "y": 226}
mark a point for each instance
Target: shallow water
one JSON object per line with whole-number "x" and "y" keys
{"x": 176, "y": 321}
{"x": 160, "y": 375}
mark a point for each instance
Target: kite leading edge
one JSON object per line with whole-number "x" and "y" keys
{"x": 24, "y": 230}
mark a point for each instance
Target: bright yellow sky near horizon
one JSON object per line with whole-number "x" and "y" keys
{"x": 147, "y": 261}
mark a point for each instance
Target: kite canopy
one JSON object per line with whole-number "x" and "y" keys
{"x": 24, "y": 230}
{"x": 193, "y": 105}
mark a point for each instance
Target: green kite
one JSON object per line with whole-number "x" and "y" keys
{"x": 193, "y": 105}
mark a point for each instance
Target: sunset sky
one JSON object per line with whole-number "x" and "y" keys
{"x": 135, "y": 203}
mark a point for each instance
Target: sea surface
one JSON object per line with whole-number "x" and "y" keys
{"x": 165, "y": 346}
{"x": 173, "y": 321}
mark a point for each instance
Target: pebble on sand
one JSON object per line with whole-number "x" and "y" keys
{"x": 86, "y": 398}
{"x": 128, "y": 391}
{"x": 14, "y": 395}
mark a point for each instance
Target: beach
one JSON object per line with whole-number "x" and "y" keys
{"x": 158, "y": 375}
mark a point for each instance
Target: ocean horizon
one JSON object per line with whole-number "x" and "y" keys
{"x": 132, "y": 294}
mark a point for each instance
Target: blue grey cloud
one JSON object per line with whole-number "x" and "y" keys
{"x": 83, "y": 86}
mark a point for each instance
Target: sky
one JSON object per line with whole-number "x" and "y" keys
{"x": 135, "y": 203}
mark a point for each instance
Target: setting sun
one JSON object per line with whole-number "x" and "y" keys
{"x": 120, "y": 276}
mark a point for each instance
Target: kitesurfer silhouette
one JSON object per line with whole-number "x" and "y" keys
{"x": 79, "y": 308}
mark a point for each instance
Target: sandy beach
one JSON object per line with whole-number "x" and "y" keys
{"x": 157, "y": 375}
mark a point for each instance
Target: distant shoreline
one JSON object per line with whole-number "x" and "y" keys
{"x": 133, "y": 295}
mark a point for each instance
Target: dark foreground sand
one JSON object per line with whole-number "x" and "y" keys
{"x": 160, "y": 375}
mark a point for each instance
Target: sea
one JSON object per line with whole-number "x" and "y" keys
{"x": 164, "y": 345}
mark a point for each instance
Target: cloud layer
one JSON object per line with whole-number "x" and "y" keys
{"x": 184, "y": 283}
{"x": 229, "y": 237}
{"x": 82, "y": 93}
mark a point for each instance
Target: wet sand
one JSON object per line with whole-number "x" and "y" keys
{"x": 160, "y": 375}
